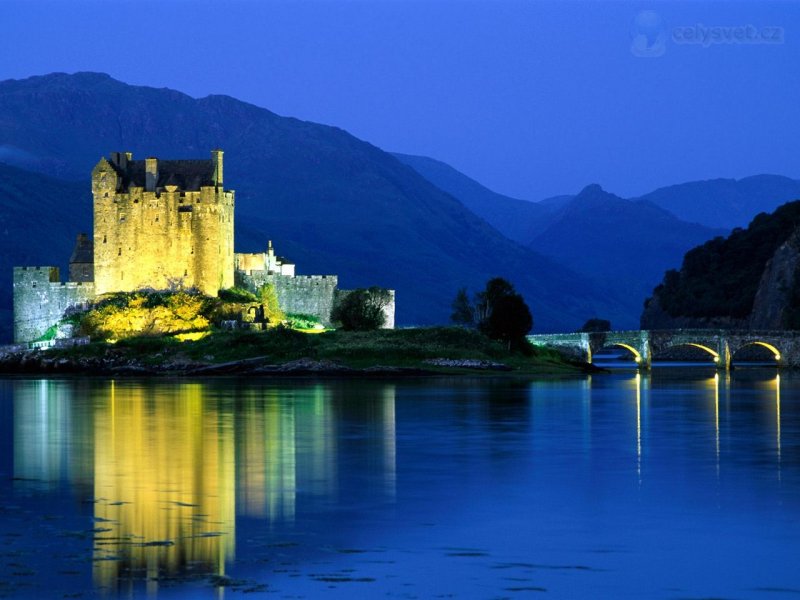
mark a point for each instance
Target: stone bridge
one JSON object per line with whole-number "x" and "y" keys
{"x": 721, "y": 344}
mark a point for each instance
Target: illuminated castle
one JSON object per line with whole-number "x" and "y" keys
{"x": 160, "y": 224}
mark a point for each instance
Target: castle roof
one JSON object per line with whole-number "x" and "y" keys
{"x": 187, "y": 175}
{"x": 84, "y": 250}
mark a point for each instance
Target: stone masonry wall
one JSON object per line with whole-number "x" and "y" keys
{"x": 155, "y": 239}
{"x": 306, "y": 294}
{"x": 41, "y": 300}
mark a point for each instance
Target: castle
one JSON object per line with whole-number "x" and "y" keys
{"x": 161, "y": 225}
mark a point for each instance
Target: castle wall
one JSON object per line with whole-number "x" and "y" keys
{"x": 160, "y": 239}
{"x": 305, "y": 294}
{"x": 248, "y": 262}
{"x": 41, "y": 300}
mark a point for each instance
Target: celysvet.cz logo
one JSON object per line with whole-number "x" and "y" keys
{"x": 650, "y": 36}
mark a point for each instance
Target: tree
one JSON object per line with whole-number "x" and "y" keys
{"x": 498, "y": 311}
{"x": 485, "y": 301}
{"x": 463, "y": 311}
{"x": 269, "y": 301}
{"x": 596, "y": 325}
{"x": 362, "y": 309}
{"x": 509, "y": 321}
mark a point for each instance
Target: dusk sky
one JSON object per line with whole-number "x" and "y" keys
{"x": 533, "y": 99}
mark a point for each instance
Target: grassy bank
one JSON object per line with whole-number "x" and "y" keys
{"x": 407, "y": 348}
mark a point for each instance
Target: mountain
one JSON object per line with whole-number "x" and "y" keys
{"x": 329, "y": 201}
{"x": 629, "y": 243}
{"x": 519, "y": 220}
{"x": 726, "y": 203}
{"x": 749, "y": 279}
{"x": 39, "y": 220}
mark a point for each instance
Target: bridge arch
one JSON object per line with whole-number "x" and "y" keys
{"x": 776, "y": 353}
{"x": 713, "y": 353}
{"x": 637, "y": 356}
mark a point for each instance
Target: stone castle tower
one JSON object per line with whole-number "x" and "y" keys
{"x": 162, "y": 224}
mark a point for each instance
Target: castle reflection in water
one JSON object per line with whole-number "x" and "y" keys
{"x": 172, "y": 469}
{"x": 170, "y": 466}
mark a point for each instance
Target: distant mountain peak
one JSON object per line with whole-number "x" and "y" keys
{"x": 592, "y": 189}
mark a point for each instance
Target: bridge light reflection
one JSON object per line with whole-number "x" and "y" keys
{"x": 778, "y": 419}
{"x": 716, "y": 418}
{"x": 639, "y": 426}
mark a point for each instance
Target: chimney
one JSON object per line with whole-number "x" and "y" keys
{"x": 216, "y": 158}
{"x": 151, "y": 174}
{"x": 121, "y": 159}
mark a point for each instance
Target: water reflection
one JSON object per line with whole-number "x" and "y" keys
{"x": 169, "y": 466}
{"x": 164, "y": 484}
{"x": 367, "y": 484}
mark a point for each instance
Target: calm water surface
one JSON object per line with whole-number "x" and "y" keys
{"x": 682, "y": 484}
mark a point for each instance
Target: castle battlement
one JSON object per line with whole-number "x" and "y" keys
{"x": 41, "y": 300}
{"x": 161, "y": 224}
{"x": 46, "y": 274}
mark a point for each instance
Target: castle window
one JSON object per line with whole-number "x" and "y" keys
{"x": 184, "y": 209}
{"x": 185, "y": 273}
{"x": 119, "y": 252}
{"x": 104, "y": 239}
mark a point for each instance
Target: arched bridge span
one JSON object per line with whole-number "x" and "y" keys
{"x": 721, "y": 344}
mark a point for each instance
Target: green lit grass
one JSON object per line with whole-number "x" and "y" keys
{"x": 407, "y": 348}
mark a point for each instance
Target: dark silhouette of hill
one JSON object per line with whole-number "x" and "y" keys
{"x": 725, "y": 203}
{"x": 751, "y": 277}
{"x": 329, "y": 201}
{"x": 627, "y": 242}
{"x": 39, "y": 219}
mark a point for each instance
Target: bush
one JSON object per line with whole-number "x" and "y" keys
{"x": 129, "y": 314}
{"x": 303, "y": 321}
{"x": 272, "y": 308}
{"x": 362, "y": 309}
{"x": 237, "y": 295}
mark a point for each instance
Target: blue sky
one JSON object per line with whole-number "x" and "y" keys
{"x": 531, "y": 98}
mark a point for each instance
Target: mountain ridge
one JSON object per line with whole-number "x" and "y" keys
{"x": 332, "y": 203}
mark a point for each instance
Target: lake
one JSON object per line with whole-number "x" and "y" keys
{"x": 683, "y": 483}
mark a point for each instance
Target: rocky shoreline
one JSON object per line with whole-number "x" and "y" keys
{"x": 39, "y": 362}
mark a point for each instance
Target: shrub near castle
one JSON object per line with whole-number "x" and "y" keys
{"x": 123, "y": 315}
{"x": 164, "y": 225}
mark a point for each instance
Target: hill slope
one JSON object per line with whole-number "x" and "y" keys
{"x": 628, "y": 243}
{"x": 750, "y": 277}
{"x": 726, "y": 203}
{"x": 331, "y": 202}
{"x": 39, "y": 219}
{"x": 518, "y": 220}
